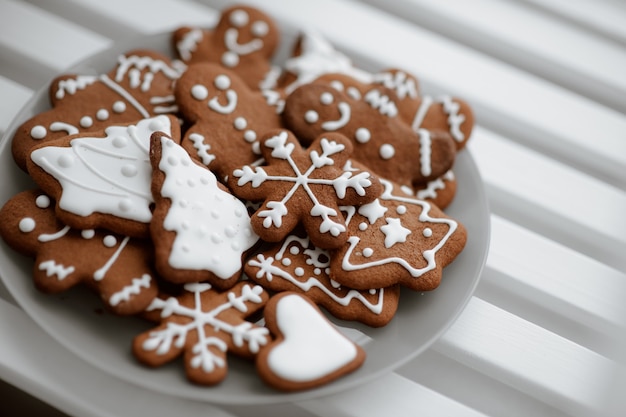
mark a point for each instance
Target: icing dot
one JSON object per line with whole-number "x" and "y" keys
{"x": 286, "y": 261}
{"x": 156, "y": 125}
{"x": 184, "y": 224}
{"x": 294, "y": 250}
{"x": 239, "y": 18}
{"x": 256, "y": 148}
{"x": 38, "y": 132}
{"x": 311, "y": 116}
{"x": 120, "y": 141}
{"x": 27, "y": 225}
{"x": 372, "y": 291}
{"x": 42, "y": 201}
{"x": 119, "y": 107}
{"x": 353, "y": 93}
{"x": 230, "y": 231}
{"x": 222, "y": 82}
{"x": 327, "y": 271}
{"x": 183, "y": 203}
{"x": 326, "y": 98}
{"x": 230, "y": 59}
{"x": 363, "y": 226}
{"x": 367, "y": 252}
{"x": 129, "y": 170}
{"x": 102, "y": 114}
{"x": 249, "y": 136}
{"x": 334, "y": 284}
{"x": 427, "y": 232}
{"x": 238, "y": 212}
{"x": 86, "y": 121}
{"x": 191, "y": 182}
{"x": 362, "y": 135}
{"x": 173, "y": 161}
{"x": 407, "y": 190}
{"x": 216, "y": 238}
{"x": 401, "y": 209}
{"x": 199, "y": 92}
{"x": 387, "y": 151}
{"x": 299, "y": 271}
{"x": 185, "y": 248}
{"x": 202, "y": 230}
{"x": 240, "y": 123}
{"x": 215, "y": 214}
{"x": 88, "y": 233}
{"x": 65, "y": 161}
{"x": 317, "y": 271}
{"x": 109, "y": 241}
{"x": 260, "y": 28}
{"x": 126, "y": 204}
{"x": 235, "y": 246}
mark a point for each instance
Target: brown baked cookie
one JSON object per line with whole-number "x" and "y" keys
{"x": 200, "y": 231}
{"x": 381, "y": 139}
{"x": 225, "y": 117}
{"x": 139, "y": 86}
{"x": 304, "y": 186}
{"x": 118, "y": 268}
{"x": 297, "y": 265}
{"x": 102, "y": 179}
{"x": 397, "y": 239}
{"x": 203, "y": 325}
{"x": 440, "y": 191}
{"x": 243, "y": 41}
{"x": 308, "y": 350}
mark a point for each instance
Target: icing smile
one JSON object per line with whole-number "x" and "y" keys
{"x": 344, "y": 111}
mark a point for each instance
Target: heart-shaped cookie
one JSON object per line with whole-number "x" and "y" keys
{"x": 308, "y": 350}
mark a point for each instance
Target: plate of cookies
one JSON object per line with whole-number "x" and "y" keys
{"x": 239, "y": 216}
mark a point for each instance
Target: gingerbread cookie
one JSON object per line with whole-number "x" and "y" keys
{"x": 140, "y": 86}
{"x": 440, "y": 191}
{"x": 397, "y": 239}
{"x": 203, "y": 325}
{"x": 226, "y": 118}
{"x": 303, "y": 186}
{"x": 200, "y": 231}
{"x": 118, "y": 268}
{"x": 308, "y": 350}
{"x": 381, "y": 140}
{"x": 297, "y": 265}
{"x": 102, "y": 179}
{"x": 243, "y": 41}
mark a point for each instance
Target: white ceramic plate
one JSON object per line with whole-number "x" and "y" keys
{"x": 76, "y": 320}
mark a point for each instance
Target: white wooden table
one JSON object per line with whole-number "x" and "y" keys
{"x": 544, "y": 333}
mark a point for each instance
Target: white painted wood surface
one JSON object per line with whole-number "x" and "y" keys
{"x": 544, "y": 333}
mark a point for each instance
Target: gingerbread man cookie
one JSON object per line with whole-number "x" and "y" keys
{"x": 203, "y": 325}
{"x": 303, "y": 186}
{"x": 243, "y": 41}
{"x": 297, "y": 265}
{"x": 397, "y": 239}
{"x": 381, "y": 140}
{"x": 140, "y": 86}
{"x": 200, "y": 231}
{"x": 226, "y": 118}
{"x": 117, "y": 267}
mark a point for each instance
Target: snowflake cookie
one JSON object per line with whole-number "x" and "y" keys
{"x": 102, "y": 179}
{"x": 397, "y": 239}
{"x": 225, "y": 117}
{"x": 203, "y": 325}
{"x": 308, "y": 351}
{"x": 243, "y": 41}
{"x": 118, "y": 268}
{"x": 381, "y": 139}
{"x": 200, "y": 230}
{"x": 139, "y": 86}
{"x": 297, "y": 265}
{"x": 303, "y": 186}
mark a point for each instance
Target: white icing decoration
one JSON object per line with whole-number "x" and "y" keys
{"x": 27, "y": 225}
{"x": 207, "y": 206}
{"x": 312, "y": 347}
{"x": 133, "y": 289}
{"x": 172, "y": 107}
{"x": 455, "y": 120}
{"x": 119, "y": 106}
{"x": 311, "y": 116}
{"x": 239, "y": 18}
{"x": 102, "y": 114}
{"x": 344, "y": 117}
{"x": 201, "y": 148}
{"x": 299, "y": 271}
{"x": 95, "y": 183}
{"x": 175, "y": 334}
{"x": 240, "y": 123}
{"x": 362, "y": 135}
{"x": 250, "y": 136}
{"x": 88, "y": 233}
{"x": 188, "y": 43}
{"x": 276, "y": 210}
{"x": 394, "y": 232}
{"x": 52, "y": 268}
{"x": 72, "y": 85}
{"x": 387, "y": 151}
{"x": 260, "y": 28}
{"x": 427, "y": 232}
{"x": 326, "y": 98}
{"x": 199, "y": 92}
{"x": 381, "y": 102}
{"x": 230, "y": 59}
{"x": 112, "y": 241}
{"x": 432, "y": 186}
{"x": 86, "y": 122}
{"x": 222, "y": 82}
{"x": 48, "y": 237}
{"x": 42, "y": 201}
{"x": 399, "y": 82}
{"x": 58, "y": 126}
{"x": 134, "y": 64}
{"x": 418, "y": 119}
{"x": 38, "y": 132}
{"x": 368, "y": 252}
{"x": 373, "y": 211}
{"x": 425, "y": 152}
{"x": 109, "y": 241}
{"x": 363, "y": 226}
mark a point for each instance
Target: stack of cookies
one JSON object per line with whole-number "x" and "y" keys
{"x": 231, "y": 201}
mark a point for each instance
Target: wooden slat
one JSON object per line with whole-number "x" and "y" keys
{"x": 529, "y": 39}
{"x": 13, "y": 97}
{"x": 120, "y": 19}
{"x": 29, "y": 56}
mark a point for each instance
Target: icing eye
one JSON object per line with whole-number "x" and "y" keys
{"x": 239, "y": 18}
{"x": 199, "y": 92}
{"x": 260, "y": 28}
{"x": 230, "y": 59}
{"x": 42, "y": 201}
{"x": 387, "y": 151}
{"x": 362, "y": 135}
{"x": 109, "y": 241}
{"x": 27, "y": 225}
{"x": 222, "y": 82}
{"x": 326, "y": 98}
{"x": 311, "y": 116}
{"x": 38, "y": 132}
